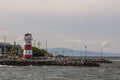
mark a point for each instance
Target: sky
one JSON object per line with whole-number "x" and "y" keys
{"x": 63, "y": 23}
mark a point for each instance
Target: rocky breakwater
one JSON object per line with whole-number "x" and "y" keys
{"x": 49, "y": 63}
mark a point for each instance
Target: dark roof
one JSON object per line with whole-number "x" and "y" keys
{"x": 1, "y": 43}
{"x": 8, "y": 45}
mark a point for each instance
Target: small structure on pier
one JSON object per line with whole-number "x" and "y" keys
{"x": 6, "y": 49}
{"x": 27, "y": 54}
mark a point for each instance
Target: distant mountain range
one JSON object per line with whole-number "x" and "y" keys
{"x": 70, "y": 52}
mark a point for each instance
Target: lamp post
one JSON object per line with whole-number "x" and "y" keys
{"x": 34, "y": 43}
{"x": 46, "y": 45}
{"x": 63, "y": 52}
{"x": 4, "y": 46}
{"x": 71, "y": 53}
{"x": 85, "y": 51}
{"x": 39, "y": 45}
{"x": 81, "y": 54}
{"x": 101, "y": 53}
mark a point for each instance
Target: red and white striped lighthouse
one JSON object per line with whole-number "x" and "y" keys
{"x": 27, "y": 46}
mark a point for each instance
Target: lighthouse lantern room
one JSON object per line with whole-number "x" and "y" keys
{"x": 27, "y": 54}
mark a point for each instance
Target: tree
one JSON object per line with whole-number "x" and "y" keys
{"x": 40, "y": 52}
{"x": 14, "y": 51}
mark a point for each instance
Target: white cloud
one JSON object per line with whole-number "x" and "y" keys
{"x": 92, "y": 43}
{"x": 72, "y": 41}
{"x": 104, "y": 43}
{"x": 5, "y": 32}
{"x": 59, "y": 6}
{"x": 79, "y": 30}
{"x": 20, "y": 38}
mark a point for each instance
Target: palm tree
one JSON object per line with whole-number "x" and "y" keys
{"x": 14, "y": 51}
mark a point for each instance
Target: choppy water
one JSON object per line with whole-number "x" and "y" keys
{"x": 106, "y": 72}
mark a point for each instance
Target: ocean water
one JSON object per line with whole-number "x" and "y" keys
{"x": 105, "y": 72}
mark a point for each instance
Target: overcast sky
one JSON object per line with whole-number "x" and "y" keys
{"x": 63, "y": 23}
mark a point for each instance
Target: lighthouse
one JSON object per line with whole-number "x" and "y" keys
{"x": 27, "y": 54}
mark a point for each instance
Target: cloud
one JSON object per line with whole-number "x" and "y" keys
{"x": 20, "y": 38}
{"x": 83, "y": 7}
{"x": 92, "y": 43}
{"x": 72, "y": 40}
{"x": 104, "y": 43}
{"x": 63, "y": 22}
{"x": 5, "y": 33}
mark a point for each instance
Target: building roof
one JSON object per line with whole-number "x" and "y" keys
{"x": 1, "y": 43}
